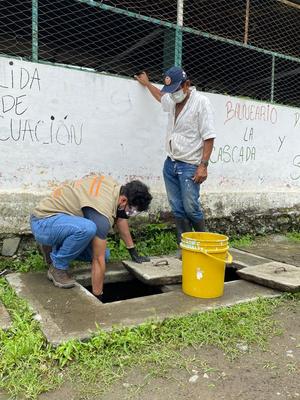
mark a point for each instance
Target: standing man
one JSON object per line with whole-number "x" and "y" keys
{"x": 189, "y": 143}
{"x": 73, "y": 223}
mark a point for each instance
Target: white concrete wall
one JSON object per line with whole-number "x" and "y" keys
{"x": 58, "y": 124}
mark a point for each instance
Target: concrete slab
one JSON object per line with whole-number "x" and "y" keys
{"x": 74, "y": 313}
{"x": 170, "y": 288}
{"x": 242, "y": 259}
{"x": 62, "y": 313}
{"x": 274, "y": 274}
{"x": 10, "y": 246}
{"x": 158, "y": 271}
{"x": 115, "y": 272}
{"x": 277, "y": 248}
{"x": 5, "y": 321}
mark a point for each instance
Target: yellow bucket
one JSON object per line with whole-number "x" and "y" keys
{"x": 204, "y": 257}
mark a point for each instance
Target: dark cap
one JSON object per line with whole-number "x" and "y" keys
{"x": 173, "y": 78}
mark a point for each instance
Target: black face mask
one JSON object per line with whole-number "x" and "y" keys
{"x": 122, "y": 214}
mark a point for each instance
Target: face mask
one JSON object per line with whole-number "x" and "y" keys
{"x": 121, "y": 213}
{"x": 131, "y": 212}
{"x": 178, "y": 96}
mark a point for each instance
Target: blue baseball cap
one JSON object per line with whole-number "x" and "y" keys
{"x": 173, "y": 78}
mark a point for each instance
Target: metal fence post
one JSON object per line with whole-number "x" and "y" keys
{"x": 35, "y": 44}
{"x": 178, "y": 34}
{"x": 246, "y": 33}
{"x": 273, "y": 78}
{"x": 169, "y": 48}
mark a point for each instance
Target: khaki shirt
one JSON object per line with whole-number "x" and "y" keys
{"x": 96, "y": 191}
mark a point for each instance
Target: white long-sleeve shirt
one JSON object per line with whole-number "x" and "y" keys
{"x": 194, "y": 124}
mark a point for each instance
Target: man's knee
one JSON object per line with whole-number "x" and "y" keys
{"x": 88, "y": 229}
{"x": 193, "y": 211}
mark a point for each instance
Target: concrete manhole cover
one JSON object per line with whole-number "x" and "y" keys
{"x": 274, "y": 274}
{"x": 158, "y": 271}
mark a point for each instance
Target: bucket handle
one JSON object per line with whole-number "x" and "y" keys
{"x": 228, "y": 259}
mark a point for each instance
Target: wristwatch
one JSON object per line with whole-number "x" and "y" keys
{"x": 204, "y": 162}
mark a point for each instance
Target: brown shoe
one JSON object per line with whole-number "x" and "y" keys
{"x": 60, "y": 278}
{"x": 45, "y": 252}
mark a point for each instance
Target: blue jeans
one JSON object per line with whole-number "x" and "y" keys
{"x": 183, "y": 193}
{"x": 69, "y": 236}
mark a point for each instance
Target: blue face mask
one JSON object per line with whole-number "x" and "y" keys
{"x": 178, "y": 96}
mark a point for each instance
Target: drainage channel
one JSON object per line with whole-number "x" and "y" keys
{"x": 118, "y": 291}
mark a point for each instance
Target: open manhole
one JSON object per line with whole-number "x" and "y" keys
{"x": 231, "y": 274}
{"x": 126, "y": 290}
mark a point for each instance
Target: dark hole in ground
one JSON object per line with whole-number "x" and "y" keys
{"x": 126, "y": 290}
{"x": 231, "y": 274}
{"x": 135, "y": 288}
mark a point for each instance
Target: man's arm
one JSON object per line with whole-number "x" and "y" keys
{"x": 98, "y": 265}
{"x": 124, "y": 232}
{"x": 144, "y": 80}
{"x": 98, "y": 248}
{"x": 201, "y": 172}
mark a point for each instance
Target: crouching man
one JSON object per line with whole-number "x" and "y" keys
{"x": 74, "y": 221}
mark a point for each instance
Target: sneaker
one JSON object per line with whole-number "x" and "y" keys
{"x": 60, "y": 278}
{"x": 45, "y": 252}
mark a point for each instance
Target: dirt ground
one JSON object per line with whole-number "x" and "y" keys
{"x": 207, "y": 374}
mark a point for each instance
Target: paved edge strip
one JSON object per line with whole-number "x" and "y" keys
{"x": 83, "y": 320}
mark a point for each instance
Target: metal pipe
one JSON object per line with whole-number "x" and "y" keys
{"x": 273, "y": 79}
{"x": 178, "y": 34}
{"x": 247, "y": 22}
{"x": 34, "y": 38}
{"x": 290, "y": 4}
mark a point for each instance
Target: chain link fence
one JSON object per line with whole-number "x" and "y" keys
{"x": 245, "y": 48}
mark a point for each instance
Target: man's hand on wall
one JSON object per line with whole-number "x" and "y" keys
{"x": 142, "y": 78}
{"x": 201, "y": 174}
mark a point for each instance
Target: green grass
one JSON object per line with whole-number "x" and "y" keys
{"x": 241, "y": 241}
{"x": 26, "y": 365}
{"x": 29, "y": 261}
{"x": 29, "y": 366}
{"x": 155, "y": 239}
{"x": 294, "y": 236}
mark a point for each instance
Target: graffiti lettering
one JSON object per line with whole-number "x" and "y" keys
{"x": 250, "y": 112}
{"x": 43, "y": 132}
{"x": 296, "y": 163}
{"x": 297, "y": 119}
{"x": 281, "y": 140}
{"x": 13, "y": 103}
{"x": 233, "y": 154}
{"x": 20, "y": 78}
{"x": 248, "y": 135}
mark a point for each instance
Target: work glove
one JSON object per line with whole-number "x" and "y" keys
{"x": 136, "y": 257}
